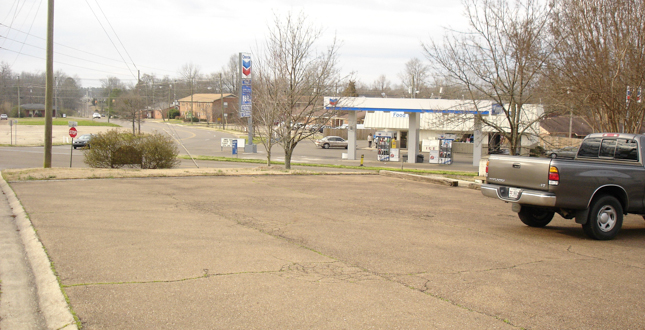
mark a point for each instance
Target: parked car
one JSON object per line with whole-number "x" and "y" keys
{"x": 331, "y": 142}
{"x": 82, "y": 141}
{"x": 566, "y": 152}
{"x": 4, "y": 116}
{"x": 316, "y": 128}
{"x": 96, "y": 115}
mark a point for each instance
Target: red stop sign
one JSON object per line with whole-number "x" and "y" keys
{"x": 72, "y": 132}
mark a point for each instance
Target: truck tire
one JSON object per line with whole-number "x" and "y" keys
{"x": 605, "y": 218}
{"x": 535, "y": 217}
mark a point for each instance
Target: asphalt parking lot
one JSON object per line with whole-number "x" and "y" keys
{"x": 325, "y": 252}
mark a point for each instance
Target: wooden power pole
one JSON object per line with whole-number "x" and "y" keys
{"x": 49, "y": 85}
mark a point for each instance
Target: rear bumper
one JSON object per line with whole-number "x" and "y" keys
{"x": 526, "y": 197}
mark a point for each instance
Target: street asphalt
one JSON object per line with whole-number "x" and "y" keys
{"x": 336, "y": 251}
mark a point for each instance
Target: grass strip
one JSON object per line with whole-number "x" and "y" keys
{"x": 372, "y": 168}
{"x": 64, "y": 122}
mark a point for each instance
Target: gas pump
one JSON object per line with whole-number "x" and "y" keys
{"x": 445, "y": 151}
{"x": 383, "y": 141}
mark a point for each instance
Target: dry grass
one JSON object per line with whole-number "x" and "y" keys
{"x": 13, "y": 175}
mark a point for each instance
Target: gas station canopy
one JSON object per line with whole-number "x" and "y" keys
{"x": 413, "y": 107}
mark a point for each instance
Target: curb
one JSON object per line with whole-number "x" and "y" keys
{"x": 51, "y": 301}
{"x": 432, "y": 179}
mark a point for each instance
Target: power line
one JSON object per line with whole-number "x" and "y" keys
{"x": 59, "y": 53}
{"x": 79, "y": 50}
{"x": 110, "y": 38}
{"x": 61, "y": 45}
{"x": 115, "y": 34}
{"x": 75, "y": 49}
{"x": 58, "y": 62}
{"x": 16, "y": 3}
{"x": 30, "y": 26}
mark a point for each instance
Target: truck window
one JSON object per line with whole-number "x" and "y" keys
{"x": 626, "y": 149}
{"x": 607, "y": 148}
{"x": 590, "y": 148}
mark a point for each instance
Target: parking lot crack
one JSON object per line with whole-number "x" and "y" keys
{"x": 206, "y": 275}
{"x": 613, "y": 261}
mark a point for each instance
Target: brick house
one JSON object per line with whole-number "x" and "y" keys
{"x": 208, "y": 107}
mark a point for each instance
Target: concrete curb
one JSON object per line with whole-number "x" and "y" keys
{"x": 51, "y": 301}
{"x": 432, "y": 179}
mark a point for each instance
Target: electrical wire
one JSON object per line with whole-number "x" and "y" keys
{"x": 14, "y": 16}
{"x": 77, "y": 50}
{"x": 62, "y": 45}
{"x": 115, "y": 34}
{"x": 30, "y": 27}
{"x": 62, "y": 54}
{"x": 58, "y": 62}
{"x": 110, "y": 38}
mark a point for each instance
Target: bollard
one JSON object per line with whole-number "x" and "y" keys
{"x": 362, "y": 156}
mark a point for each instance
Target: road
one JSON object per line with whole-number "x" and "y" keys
{"x": 198, "y": 140}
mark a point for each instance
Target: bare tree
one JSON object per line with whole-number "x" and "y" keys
{"x": 190, "y": 74}
{"x": 601, "y": 62}
{"x": 230, "y": 80}
{"x": 500, "y": 58}
{"x": 112, "y": 88}
{"x": 129, "y": 107}
{"x": 291, "y": 78}
{"x": 69, "y": 93}
{"x": 381, "y": 85}
{"x": 414, "y": 76}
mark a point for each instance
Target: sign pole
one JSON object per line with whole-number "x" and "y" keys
{"x": 246, "y": 98}
{"x": 72, "y": 134}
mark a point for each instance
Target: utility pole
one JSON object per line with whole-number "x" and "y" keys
{"x": 192, "y": 85}
{"x": 221, "y": 99}
{"x": 18, "y": 96}
{"x": 55, "y": 94}
{"x": 49, "y": 77}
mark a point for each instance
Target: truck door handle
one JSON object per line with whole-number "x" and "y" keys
{"x": 516, "y": 165}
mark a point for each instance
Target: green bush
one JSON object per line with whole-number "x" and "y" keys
{"x": 117, "y": 150}
{"x": 158, "y": 151}
{"x": 173, "y": 113}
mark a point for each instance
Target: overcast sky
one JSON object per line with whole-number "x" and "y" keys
{"x": 160, "y": 36}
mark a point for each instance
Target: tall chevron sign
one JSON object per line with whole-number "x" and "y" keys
{"x": 245, "y": 85}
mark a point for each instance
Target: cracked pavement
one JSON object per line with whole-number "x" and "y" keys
{"x": 325, "y": 252}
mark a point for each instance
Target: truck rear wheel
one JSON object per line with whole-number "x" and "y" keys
{"x": 605, "y": 218}
{"x": 535, "y": 217}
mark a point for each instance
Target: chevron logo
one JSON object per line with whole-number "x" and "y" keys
{"x": 246, "y": 67}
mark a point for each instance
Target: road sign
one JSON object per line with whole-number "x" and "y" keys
{"x": 234, "y": 147}
{"x": 72, "y": 132}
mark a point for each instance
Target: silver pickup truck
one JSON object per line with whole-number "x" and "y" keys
{"x": 605, "y": 181}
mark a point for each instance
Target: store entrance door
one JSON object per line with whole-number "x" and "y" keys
{"x": 404, "y": 140}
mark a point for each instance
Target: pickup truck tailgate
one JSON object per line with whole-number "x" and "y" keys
{"x": 515, "y": 171}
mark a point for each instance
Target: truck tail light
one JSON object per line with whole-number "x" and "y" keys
{"x": 554, "y": 176}
{"x": 487, "y": 162}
